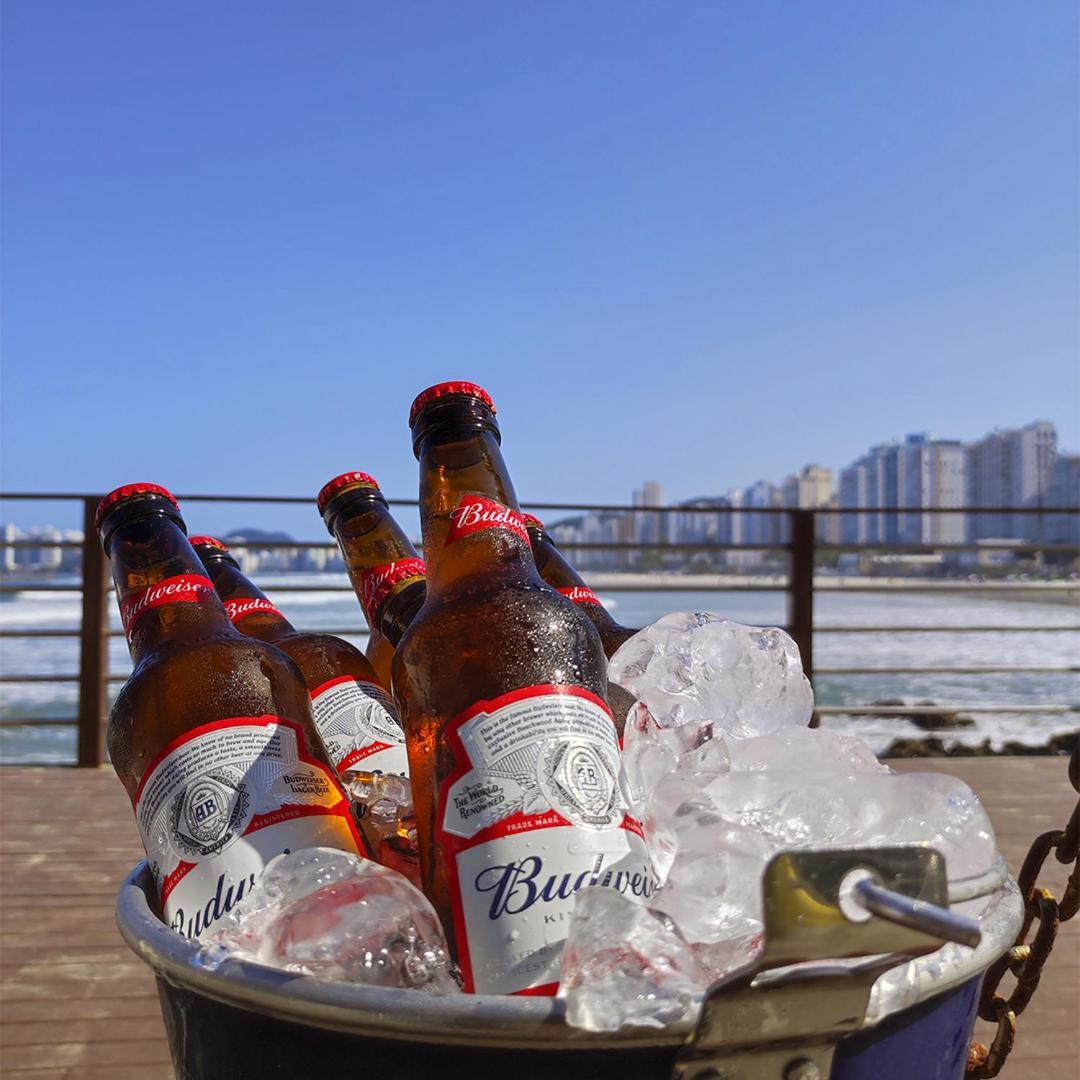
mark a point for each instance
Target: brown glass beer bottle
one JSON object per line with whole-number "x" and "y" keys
{"x": 563, "y": 578}
{"x": 383, "y": 565}
{"x": 212, "y": 736}
{"x": 501, "y": 681}
{"x": 354, "y": 714}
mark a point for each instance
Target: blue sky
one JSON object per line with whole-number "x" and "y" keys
{"x": 703, "y": 243}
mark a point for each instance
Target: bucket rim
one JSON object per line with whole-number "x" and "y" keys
{"x": 491, "y": 1020}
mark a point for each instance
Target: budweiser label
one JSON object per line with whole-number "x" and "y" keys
{"x": 358, "y": 723}
{"x": 182, "y": 589}
{"x": 224, "y": 799}
{"x": 237, "y": 609}
{"x": 534, "y": 811}
{"x": 581, "y": 594}
{"x": 379, "y": 583}
{"x": 474, "y": 513}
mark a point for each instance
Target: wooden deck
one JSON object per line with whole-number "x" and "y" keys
{"x": 75, "y": 1004}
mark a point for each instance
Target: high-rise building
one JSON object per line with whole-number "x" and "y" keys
{"x": 854, "y": 493}
{"x": 930, "y": 473}
{"x": 9, "y": 554}
{"x": 904, "y": 480}
{"x": 1064, "y": 490}
{"x": 1010, "y": 468}
{"x": 869, "y": 483}
{"x": 810, "y": 489}
{"x": 650, "y": 528}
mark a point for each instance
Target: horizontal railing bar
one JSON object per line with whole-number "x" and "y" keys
{"x": 5, "y": 678}
{"x": 39, "y": 721}
{"x": 914, "y": 549}
{"x": 835, "y": 585}
{"x": 300, "y": 500}
{"x": 361, "y": 630}
{"x": 1020, "y": 547}
{"x": 930, "y": 710}
{"x": 675, "y": 509}
{"x": 39, "y": 587}
{"x": 38, "y": 544}
{"x": 997, "y": 669}
{"x": 941, "y": 629}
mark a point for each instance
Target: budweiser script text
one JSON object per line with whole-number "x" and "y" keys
{"x": 474, "y": 513}
{"x": 182, "y": 589}
{"x": 517, "y": 886}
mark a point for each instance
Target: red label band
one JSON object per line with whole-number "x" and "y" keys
{"x": 581, "y": 594}
{"x": 182, "y": 589}
{"x": 239, "y": 609}
{"x": 474, "y": 513}
{"x": 378, "y": 583}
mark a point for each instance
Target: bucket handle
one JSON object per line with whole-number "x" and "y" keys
{"x": 834, "y": 921}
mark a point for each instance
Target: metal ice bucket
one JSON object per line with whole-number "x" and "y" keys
{"x": 898, "y": 1008}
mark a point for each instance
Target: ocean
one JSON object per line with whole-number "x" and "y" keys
{"x": 24, "y": 744}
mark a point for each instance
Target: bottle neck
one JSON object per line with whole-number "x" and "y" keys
{"x": 383, "y": 566}
{"x": 161, "y": 586}
{"x": 468, "y": 509}
{"x": 246, "y": 604}
{"x": 562, "y": 577}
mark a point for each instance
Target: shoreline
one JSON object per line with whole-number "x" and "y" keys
{"x": 1047, "y": 592}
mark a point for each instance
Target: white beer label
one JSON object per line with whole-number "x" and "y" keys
{"x": 221, "y": 801}
{"x": 359, "y": 724}
{"x": 534, "y": 811}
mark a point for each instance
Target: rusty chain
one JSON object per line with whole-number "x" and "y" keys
{"x": 1025, "y": 960}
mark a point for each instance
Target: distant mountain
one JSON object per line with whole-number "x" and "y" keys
{"x": 255, "y": 536}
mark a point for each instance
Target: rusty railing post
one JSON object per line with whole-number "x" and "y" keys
{"x": 93, "y": 641}
{"x": 801, "y": 586}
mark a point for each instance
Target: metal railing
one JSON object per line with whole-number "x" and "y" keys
{"x": 802, "y": 548}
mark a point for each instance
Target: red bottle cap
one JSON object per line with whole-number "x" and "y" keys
{"x": 447, "y": 389}
{"x": 207, "y": 541}
{"x": 532, "y": 522}
{"x": 345, "y": 480}
{"x": 129, "y": 491}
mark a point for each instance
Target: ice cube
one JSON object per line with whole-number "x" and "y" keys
{"x": 795, "y": 809}
{"x": 648, "y": 755}
{"x": 328, "y": 913}
{"x": 800, "y": 749}
{"x": 384, "y": 808}
{"x": 626, "y": 964}
{"x": 713, "y": 885}
{"x": 699, "y": 669}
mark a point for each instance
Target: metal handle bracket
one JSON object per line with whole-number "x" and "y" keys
{"x": 826, "y": 941}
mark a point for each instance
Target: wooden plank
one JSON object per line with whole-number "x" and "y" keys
{"x": 76, "y": 1004}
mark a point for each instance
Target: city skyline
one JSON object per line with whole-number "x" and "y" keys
{"x": 1013, "y": 467}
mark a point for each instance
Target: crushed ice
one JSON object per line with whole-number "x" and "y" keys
{"x": 725, "y": 773}
{"x": 329, "y": 913}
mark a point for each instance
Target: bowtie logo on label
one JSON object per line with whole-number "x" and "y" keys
{"x": 237, "y": 609}
{"x": 182, "y": 589}
{"x": 474, "y": 513}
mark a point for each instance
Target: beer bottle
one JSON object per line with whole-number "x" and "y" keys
{"x": 355, "y": 716}
{"x": 383, "y": 566}
{"x": 515, "y": 764}
{"x": 563, "y": 578}
{"x": 212, "y": 735}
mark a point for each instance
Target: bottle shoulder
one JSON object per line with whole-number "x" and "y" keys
{"x": 186, "y": 684}
{"x": 478, "y": 643}
{"x": 322, "y": 657}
